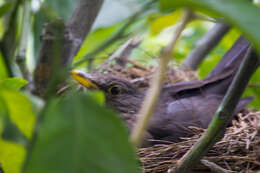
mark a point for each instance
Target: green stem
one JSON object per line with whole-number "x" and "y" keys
{"x": 224, "y": 113}
{"x": 23, "y": 42}
{"x": 153, "y": 93}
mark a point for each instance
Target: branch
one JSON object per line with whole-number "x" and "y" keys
{"x": 208, "y": 42}
{"x": 153, "y": 93}
{"x": 223, "y": 115}
{"x": 79, "y": 26}
{"x": 64, "y": 40}
{"x": 119, "y": 53}
{"x": 123, "y": 58}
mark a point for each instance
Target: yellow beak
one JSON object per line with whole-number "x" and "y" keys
{"x": 83, "y": 80}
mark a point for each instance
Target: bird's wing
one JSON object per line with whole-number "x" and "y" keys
{"x": 196, "y": 111}
{"x": 182, "y": 113}
{"x": 220, "y": 77}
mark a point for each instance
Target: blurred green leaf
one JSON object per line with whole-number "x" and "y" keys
{"x": 12, "y": 133}
{"x": 94, "y": 39}
{"x": 98, "y": 96}
{"x": 193, "y": 32}
{"x": 164, "y": 21}
{"x": 240, "y": 13}
{"x": 215, "y": 55}
{"x": 3, "y": 72}
{"x": 254, "y": 90}
{"x": 63, "y": 8}
{"x": 2, "y": 110}
{"x": 11, "y": 156}
{"x": 208, "y": 64}
{"x": 19, "y": 110}
{"x": 14, "y": 83}
{"x": 5, "y": 8}
{"x": 78, "y": 135}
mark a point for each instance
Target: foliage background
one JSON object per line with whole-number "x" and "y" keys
{"x": 19, "y": 109}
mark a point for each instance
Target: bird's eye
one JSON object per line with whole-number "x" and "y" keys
{"x": 114, "y": 90}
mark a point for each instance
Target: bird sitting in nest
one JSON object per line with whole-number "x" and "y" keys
{"x": 180, "y": 105}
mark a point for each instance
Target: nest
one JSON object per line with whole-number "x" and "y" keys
{"x": 140, "y": 75}
{"x": 238, "y": 151}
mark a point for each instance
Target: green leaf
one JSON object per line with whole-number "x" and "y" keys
{"x": 78, "y": 135}
{"x": 216, "y": 54}
{"x": 19, "y": 110}
{"x": 98, "y": 96}
{"x": 240, "y": 13}
{"x": 11, "y": 156}
{"x": 12, "y": 133}
{"x": 164, "y": 21}
{"x": 65, "y": 10}
{"x": 254, "y": 90}
{"x": 3, "y": 71}
{"x": 5, "y": 8}
{"x": 13, "y": 83}
{"x": 94, "y": 39}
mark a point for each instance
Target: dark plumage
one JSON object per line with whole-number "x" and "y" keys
{"x": 180, "y": 105}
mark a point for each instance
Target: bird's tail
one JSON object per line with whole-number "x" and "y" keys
{"x": 220, "y": 78}
{"x": 232, "y": 59}
{"x": 222, "y": 75}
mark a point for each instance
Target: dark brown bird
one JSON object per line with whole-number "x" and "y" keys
{"x": 180, "y": 105}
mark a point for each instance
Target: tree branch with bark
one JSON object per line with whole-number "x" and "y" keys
{"x": 70, "y": 37}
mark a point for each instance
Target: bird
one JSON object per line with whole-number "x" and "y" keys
{"x": 180, "y": 105}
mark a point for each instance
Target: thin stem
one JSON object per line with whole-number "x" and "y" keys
{"x": 153, "y": 93}
{"x": 21, "y": 55}
{"x": 214, "y": 167}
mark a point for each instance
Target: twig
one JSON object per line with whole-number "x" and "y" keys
{"x": 21, "y": 55}
{"x": 214, "y": 167}
{"x": 205, "y": 45}
{"x": 254, "y": 85}
{"x": 218, "y": 125}
{"x": 153, "y": 93}
{"x": 114, "y": 37}
{"x": 136, "y": 65}
{"x": 117, "y": 54}
{"x": 205, "y": 18}
{"x": 123, "y": 58}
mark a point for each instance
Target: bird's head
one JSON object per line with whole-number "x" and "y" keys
{"x": 120, "y": 94}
